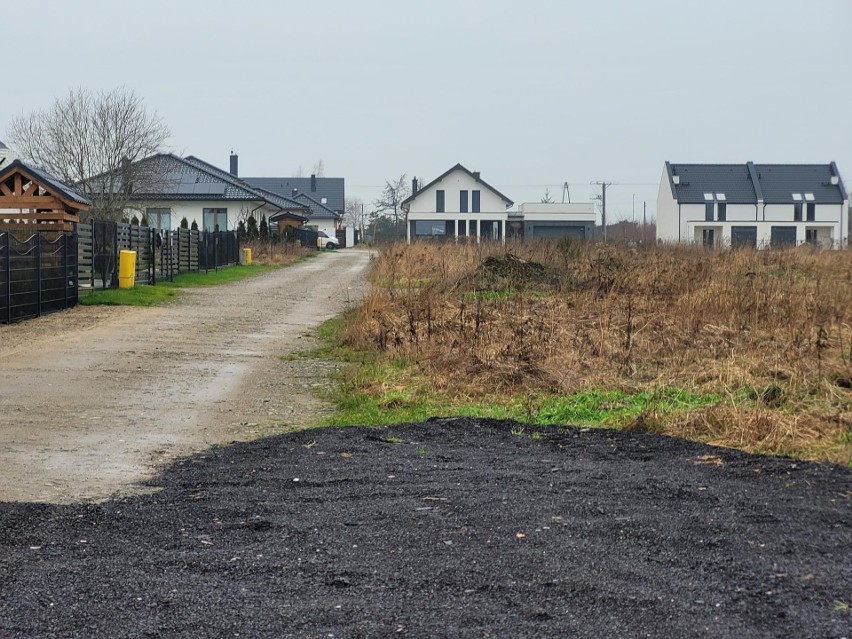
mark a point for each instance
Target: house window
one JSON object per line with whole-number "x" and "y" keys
{"x": 159, "y": 218}
{"x": 708, "y": 211}
{"x": 463, "y": 201}
{"x": 439, "y": 201}
{"x": 811, "y": 236}
{"x": 722, "y": 211}
{"x": 323, "y": 200}
{"x": 708, "y": 238}
{"x": 797, "y": 212}
{"x": 215, "y": 219}
{"x": 811, "y": 211}
{"x": 475, "y": 201}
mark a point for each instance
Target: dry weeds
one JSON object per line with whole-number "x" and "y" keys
{"x": 771, "y": 330}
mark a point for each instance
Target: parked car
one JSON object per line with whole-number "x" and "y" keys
{"x": 326, "y": 242}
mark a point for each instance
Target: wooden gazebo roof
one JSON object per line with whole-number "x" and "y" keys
{"x": 29, "y": 196}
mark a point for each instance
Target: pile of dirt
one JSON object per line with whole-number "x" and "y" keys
{"x": 449, "y": 528}
{"x": 508, "y": 271}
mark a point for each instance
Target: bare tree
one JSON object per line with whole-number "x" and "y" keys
{"x": 393, "y": 194}
{"x": 299, "y": 172}
{"x": 546, "y": 198}
{"x": 92, "y": 140}
{"x": 354, "y": 214}
{"x": 319, "y": 168}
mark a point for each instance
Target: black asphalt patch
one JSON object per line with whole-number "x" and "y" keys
{"x": 450, "y": 528}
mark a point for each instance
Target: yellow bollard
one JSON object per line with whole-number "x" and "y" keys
{"x": 127, "y": 269}
{"x": 245, "y": 257}
{"x": 248, "y": 256}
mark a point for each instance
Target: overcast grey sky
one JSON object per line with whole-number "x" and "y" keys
{"x": 531, "y": 93}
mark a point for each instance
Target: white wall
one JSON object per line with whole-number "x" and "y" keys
{"x": 322, "y": 225}
{"x": 452, "y": 184}
{"x": 667, "y": 223}
{"x": 194, "y": 211}
{"x": 556, "y": 211}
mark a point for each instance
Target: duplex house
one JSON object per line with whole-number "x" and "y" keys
{"x": 754, "y": 205}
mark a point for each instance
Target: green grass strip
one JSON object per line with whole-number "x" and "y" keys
{"x": 164, "y": 290}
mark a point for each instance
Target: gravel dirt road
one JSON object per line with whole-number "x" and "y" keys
{"x": 450, "y": 528}
{"x": 95, "y": 399}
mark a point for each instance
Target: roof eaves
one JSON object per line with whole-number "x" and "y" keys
{"x": 458, "y": 166}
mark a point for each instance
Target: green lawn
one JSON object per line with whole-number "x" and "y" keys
{"x": 164, "y": 291}
{"x": 374, "y": 390}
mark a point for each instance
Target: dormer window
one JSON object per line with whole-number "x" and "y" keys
{"x": 809, "y": 197}
{"x": 797, "y": 197}
{"x": 720, "y": 197}
{"x": 708, "y": 197}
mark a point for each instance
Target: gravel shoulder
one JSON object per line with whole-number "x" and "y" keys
{"x": 95, "y": 399}
{"x": 450, "y": 528}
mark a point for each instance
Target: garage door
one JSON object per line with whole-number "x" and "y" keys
{"x": 744, "y": 237}
{"x": 574, "y": 232}
{"x": 783, "y": 236}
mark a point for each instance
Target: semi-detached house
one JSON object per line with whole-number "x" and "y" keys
{"x": 754, "y": 205}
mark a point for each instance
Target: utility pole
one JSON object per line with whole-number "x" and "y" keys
{"x": 603, "y": 186}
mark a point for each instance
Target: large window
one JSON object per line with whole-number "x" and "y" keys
{"x": 722, "y": 211}
{"x": 475, "y": 202}
{"x": 439, "y": 201}
{"x": 463, "y": 201}
{"x": 708, "y": 211}
{"x": 215, "y": 219}
{"x": 811, "y": 211}
{"x": 159, "y": 218}
{"x": 797, "y": 212}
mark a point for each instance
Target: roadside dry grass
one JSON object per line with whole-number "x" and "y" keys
{"x": 277, "y": 253}
{"x": 767, "y": 334}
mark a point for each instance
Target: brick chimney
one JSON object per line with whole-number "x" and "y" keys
{"x": 313, "y": 183}
{"x": 234, "y": 164}
{"x": 414, "y": 186}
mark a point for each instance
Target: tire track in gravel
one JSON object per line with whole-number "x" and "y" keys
{"x": 92, "y": 401}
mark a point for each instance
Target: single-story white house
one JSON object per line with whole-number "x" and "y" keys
{"x": 756, "y": 205}
{"x": 460, "y": 204}
{"x": 166, "y": 188}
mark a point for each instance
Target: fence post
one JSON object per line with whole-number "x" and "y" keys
{"x": 153, "y": 266}
{"x": 8, "y": 267}
{"x": 206, "y": 251}
{"x": 65, "y": 269}
{"x": 38, "y": 268}
{"x": 94, "y": 246}
{"x": 115, "y": 255}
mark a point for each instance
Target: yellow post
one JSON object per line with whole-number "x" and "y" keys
{"x": 245, "y": 257}
{"x": 127, "y": 269}
{"x": 248, "y": 257}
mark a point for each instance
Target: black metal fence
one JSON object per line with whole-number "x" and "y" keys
{"x": 306, "y": 237}
{"x": 159, "y": 254}
{"x": 37, "y": 275}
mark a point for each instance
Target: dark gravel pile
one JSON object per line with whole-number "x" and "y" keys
{"x": 451, "y": 528}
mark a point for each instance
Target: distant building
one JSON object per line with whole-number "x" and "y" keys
{"x": 753, "y": 205}
{"x": 7, "y": 156}
{"x": 460, "y": 204}
{"x": 166, "y": 188}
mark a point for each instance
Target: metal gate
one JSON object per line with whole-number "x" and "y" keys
{"x": 37, "y": 275}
